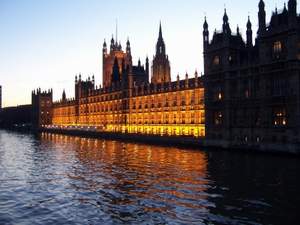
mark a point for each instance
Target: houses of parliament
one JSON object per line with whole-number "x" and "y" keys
{"x": 248, "y": 96}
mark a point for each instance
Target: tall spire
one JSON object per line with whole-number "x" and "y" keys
{"x": 160, "y": 46}
{"x": 249, "y": 33}
{"x": 161, "y": 66}
{"x": 160, "y": 31}
{"x": 116, "y": 30}
{"x": 205, "y": 33}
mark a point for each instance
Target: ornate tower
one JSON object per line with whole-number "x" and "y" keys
{"x": 110, "y": 64}
{"x": 161, "y": 66}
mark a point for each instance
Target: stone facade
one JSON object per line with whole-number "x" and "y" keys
{"x": 252, "y": 89}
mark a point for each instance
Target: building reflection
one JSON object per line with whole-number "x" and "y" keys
{"x": 165, "y": 176}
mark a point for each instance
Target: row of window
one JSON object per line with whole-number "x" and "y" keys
{"x": 279, "y": 118}
{"x": 277, "y": 49}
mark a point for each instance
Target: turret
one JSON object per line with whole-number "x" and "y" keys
{"x": 205, "y": 34}
{"x": 104, "y": 47}
{"x": 64, "y": 97}
{"x": 261, "y": 17}
{"x": 112, "y": 44}
{"x": 128, "y": 48}
{"x": 249, "y": 33}
{"x": 226, "y": 27}
{"x": 147, "y": 68}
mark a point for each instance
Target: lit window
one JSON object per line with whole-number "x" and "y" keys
{"x": 280, "y": 117}
{"x": 277, "y": 47}
{"x": 216, "y": 60}
{"x": 220, "y": 96}
{"x": 218, "y": 118}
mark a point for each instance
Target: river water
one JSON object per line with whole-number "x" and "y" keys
{"x": 56, "y": 179}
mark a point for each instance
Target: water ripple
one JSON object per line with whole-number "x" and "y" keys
{"x": 55, "y": 179}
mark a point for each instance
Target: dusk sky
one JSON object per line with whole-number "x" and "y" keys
{"x": 46, "y": 43}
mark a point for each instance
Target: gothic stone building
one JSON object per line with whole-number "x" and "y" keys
{"x": 127, "y": 102}
{"x": 252, "y": 89}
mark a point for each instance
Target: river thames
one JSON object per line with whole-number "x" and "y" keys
{"x": 56, "y": 179}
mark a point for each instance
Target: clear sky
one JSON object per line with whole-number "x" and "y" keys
{"x": 45, "y": 43}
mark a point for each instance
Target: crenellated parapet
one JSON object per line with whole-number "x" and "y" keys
{"x": 42, "y": 106}
{"x": 179, "y": 85}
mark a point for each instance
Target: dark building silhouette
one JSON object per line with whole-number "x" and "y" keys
{"x": 15, "y": 116}
{"x": 252, "y": 89}
{"x": 41, "y": 108}
{"x": 0, "y": 97}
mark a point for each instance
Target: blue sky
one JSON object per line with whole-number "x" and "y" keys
{"x": 45, "y": 43}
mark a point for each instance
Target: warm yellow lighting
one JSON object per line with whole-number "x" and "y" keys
{"x": 158, "y": 118}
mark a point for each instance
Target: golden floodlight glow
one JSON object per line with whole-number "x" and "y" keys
{"x": 168, "y": 113}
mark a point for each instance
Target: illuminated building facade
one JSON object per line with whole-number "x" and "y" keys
{"x": 252, "y": 91}
{"x": 128, "y": 103}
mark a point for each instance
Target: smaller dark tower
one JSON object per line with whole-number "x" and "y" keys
{"x": 249, "y": 33}
{"x": 128, "y": 48}
{"x": 147, "y": 68}
{"x": 64, "y": 97}
{"x": 226, "y": 27}
{"x": 104, "y": 48}
{"x": 112, "y": 44}
{"x": 205, "y": 34}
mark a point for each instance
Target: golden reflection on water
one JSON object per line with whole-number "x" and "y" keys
{"x": 164, "y": 175}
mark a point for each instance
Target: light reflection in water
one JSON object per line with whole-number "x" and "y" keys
{"x": 167, "y": 181}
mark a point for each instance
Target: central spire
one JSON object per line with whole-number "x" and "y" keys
{"x": 160, "y": 31}
{"x": 161, "y": 65}
{"x": 160, "y": 46}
